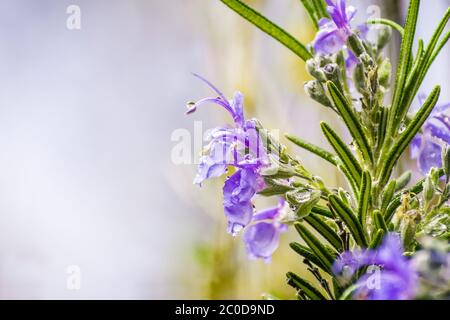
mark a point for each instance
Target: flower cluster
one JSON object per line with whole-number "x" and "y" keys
{"x": 240, "y": 147}
{"x": 334, "y": 33}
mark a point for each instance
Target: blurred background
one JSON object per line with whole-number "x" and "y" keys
{"x": 87, "y": 182}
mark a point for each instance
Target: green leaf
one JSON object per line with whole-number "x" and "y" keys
{"x": 436, "y": 52}
{"x": 403, "y": 181}
{"x": 387, "y": 195}
{"x": 406, "y": 137}
{"x": 353, "y": 184}
{"x": 377, "y": 239}
{"x": 307, "y": 288}
{"x": 313, "y": 14}
{"x": 403, "y": 64}
{"x": 416, "y": 65}
{"x": 348, "y": 159}
{"x": 325, "y": 231}
{"x": 331, "y": 158}
{"x": 348, "y": 293}
{"x": 408, "y": 228}
{"x": 347, "y": 216}
{"x": 384, "y": 77}
{"x": 379, "y": 221}
{"x": 306, "y": 253}
{"x": 445, "y": 159}
{"x": 382, "y": 125}
{"x": 323, "y": 211}
{"x": 302, "y": 200}
{"x": 275, "y": 190}
{"x": 321, "y": 252}
{"x": 321, "y": 8}
{"x": 365, "y": 194}
{"x": 420, "y": 69}
{"x": 353, "y": 124}
{"x": 269, "y": 27}
{"x": 425, "y": 63}
{"x": 389, "y": 23}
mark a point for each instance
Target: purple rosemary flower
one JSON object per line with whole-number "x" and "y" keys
{"x": 426, "y": 147}
{"x": 239, "y": 146}
{"x": 262, "y": 237}
{"x": 333, "y": 33}
{"x": 238, "y": 192}
{"x": 397, "y": 278}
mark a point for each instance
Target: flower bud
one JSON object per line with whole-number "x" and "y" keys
{"x": 428, "y": 189}
{"x": 332, "y": 73}
{"x": 384, "y": 35}
{"x": 446, "y": 160}
{"x": 302, "y": 200}
{"x": 359, "y": 78}
{"x": 408, "y": 226}
{"x": 356, "y": 45}
{"x": 384, "y": 73}
{"x": 373, "y": 81}
{"x": 315, "y": 90}
{"x": 314, "y": 69}
{"x": 367, "y": 61}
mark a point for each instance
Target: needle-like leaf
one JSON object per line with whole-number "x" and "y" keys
{"x": 346, "y": 156}
{"x": 353, "y": 124}
{"x": 405, "y": 138}
{"x": 331, "y": 158}
{"x": 269, "y": 27}
{"x": 349, "y": 218}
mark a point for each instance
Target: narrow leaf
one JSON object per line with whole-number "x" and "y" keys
{"x": 387, "y": 195}
{"x": 269, "y": 27}
{"x": 436, "y": 52}
{"x": 365, "y": 194}
{"x": 417, "y": 75}
{"x": 307, "y": 288}
{"x": 321, "y": 8}
{"x": 389, "y": 23}
{"x": 382, "y": 125}
{"x": 377, "y": 239}
{"x": 348, "y": 159}
{"x": 353, "y": 124}
{"x": 331, "y": 158}
{"x": 379, "y": 221}
{"x": 353, "y": 184}
{"x": 312, "y": 13}
{"x": 402, "y": 69}
{"x": 322, "y": 253}
{"x": 403, "y": 181}
{"x": 306, "y": 253}
{"x": 275, "y": 190}
{"x": 409, "y": 133}
{"x": 325, "y": 231}
{"x": 347, "y": 216}
{"x": 416, "y": 65}
{"x": 318, "y": 209}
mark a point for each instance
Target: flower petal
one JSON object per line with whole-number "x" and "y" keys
{"x": 261, "y": 240}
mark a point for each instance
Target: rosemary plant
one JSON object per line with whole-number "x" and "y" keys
{"x": 376, "y": 237}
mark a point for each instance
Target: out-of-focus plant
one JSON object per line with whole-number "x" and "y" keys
{"x": 374, "y": 238}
